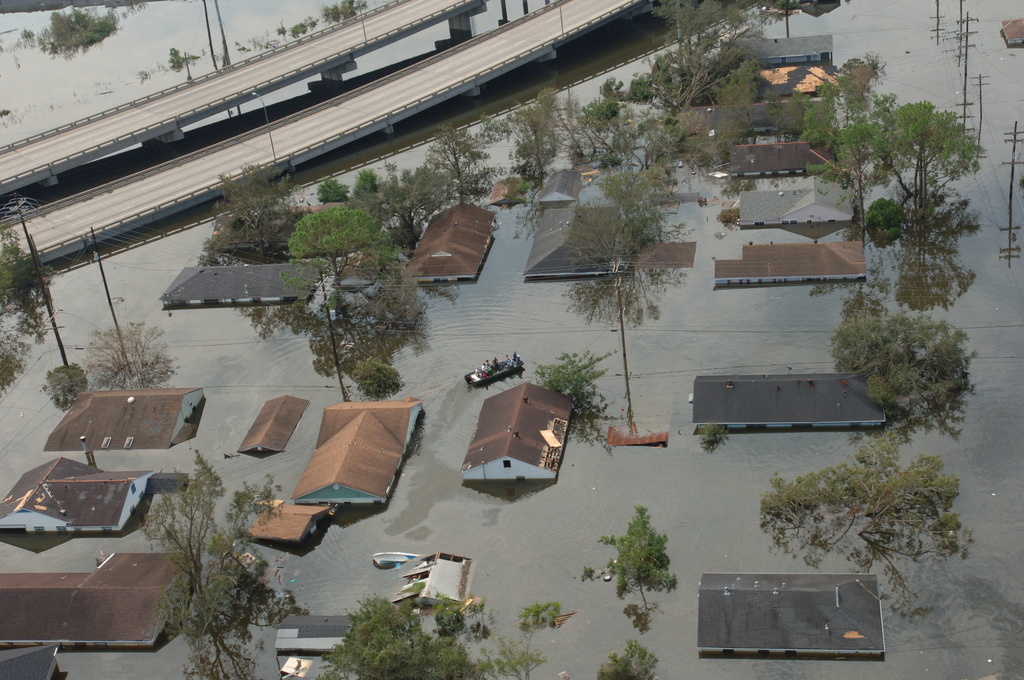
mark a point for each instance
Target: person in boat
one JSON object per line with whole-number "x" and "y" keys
{"x": 508, "y": 361}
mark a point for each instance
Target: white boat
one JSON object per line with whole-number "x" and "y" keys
{"x": 390, "y": 559}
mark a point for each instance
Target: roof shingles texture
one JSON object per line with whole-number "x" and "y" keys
{"x": 454, "y": 244}
{"x": 274, "y": 424}
{"x": 793, "y": 260}
{"x": 359, "y": 446}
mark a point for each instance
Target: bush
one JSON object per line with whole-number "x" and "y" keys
{"x": 376, "y": 379}
{"x": 64, "y": 383}
{"x": 884, "y": 214}
{"x": 332, "y": 191}
{"x": 712, "y": 436}
{"x": 729, "y": 216}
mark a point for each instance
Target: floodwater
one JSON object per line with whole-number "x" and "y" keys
{"x": 532, "y": 546}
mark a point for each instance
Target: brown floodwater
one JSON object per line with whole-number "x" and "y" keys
{"x": 531, "y": 544}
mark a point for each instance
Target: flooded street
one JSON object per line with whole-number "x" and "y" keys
{"x": 533, "y": 546}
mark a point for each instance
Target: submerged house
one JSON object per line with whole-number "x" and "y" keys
{"x": 782, "y": 158}
{"x": 310, "y": 634}
{"x": 786, "y": 80}
{"x": 788, "y": 400}
{"x": 274, "y": 425}
{"x": 30, "y": 663}
{"x": 453, "y": 246}
{"x": 289, "y": 523}
{"x": 809, "y": 200}
{"x": 358, "y": 452}
{"x": 561, "y": 189}
{"x": 252, "y": 284}
{"x": 436, "y": 578}
{"x": 129, "y": 419}
{"x": 553, "y": 255}
{"x": 790, "y": 615}
{"x": 114, "y": 606}
{"x": 799, "y": 50}
{"x": 1013, "y": 32}
{"x": 64, "y": 495}
{"x": 766, "y": 264}
{"x": 520, "y": 435}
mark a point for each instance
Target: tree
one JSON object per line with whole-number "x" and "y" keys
{"x": 575, "y": 375}
{"x": 636, "y": 663}
{"x": 332, "y": 191}
{"x": 376, "y": 380}
{"x": 641, "y": 561}
{"x": 76, "y": 31}
{"x": 925, "y": 149}
{"x": 21, "y": 306}
{"x": 884, "y": 214}
{"x": 516, "y": 659}
{"x": 178, "y": 60}
{"x": 128, "y": 358}
{"x": 340, "y": 11}
{"x": 387, "y": 642}
{"x": 533, "y": 130}
{"x": 218, "y": 591}
{"x": 64, "y": 383}
{"x": 404, "y": 201}
{"x": 259, "y": 211}
{"x": 342, "y": 242}
{"x": 460, "y": 158}
{"x": 869, "y": 508}
{"x": 712, "y": 436}
{"x": 906, "y": 358}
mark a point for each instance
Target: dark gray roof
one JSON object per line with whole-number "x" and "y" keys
{"x": 68, "y": 490}
{"x": 562, "y": 187}
{"x": 761, "y": 116}
{"x": 778, "y": 157}
{"x": 33, "y": 663}
{"x": 810, "y": 613}
{"x": 311, "y": 633}
{"x": 774, "y": 48}
{"x": 790, "y": 399}
{"x": 778, "y": 204}
{"x": 238, "y": 283}
{"x": 551, "y": 255}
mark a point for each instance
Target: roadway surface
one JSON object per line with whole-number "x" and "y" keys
{"x": 193, "y": 180}
{"x": 165, "y": 113}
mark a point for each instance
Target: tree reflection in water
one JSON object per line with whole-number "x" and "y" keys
{"x": 339, "y": 345}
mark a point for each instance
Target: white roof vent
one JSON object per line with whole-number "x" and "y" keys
{"x": 131, "y": 400}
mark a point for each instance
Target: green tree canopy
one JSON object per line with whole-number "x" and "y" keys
{"x": 21, "y": 306}
{"x": 641, "y": 561}
{"x": 74, "y": 32}
{"x": 342, "y": 242}
{"x": 259, "y": 212}
{"x": 128, "y": 358}
{"x": 404, "y": 201}
{"x": 870, "y": 509}
{"x": 219, "y": 592}
{"x": 635, "y": 663}
{"x": 460, "y": 157}
{"x": 376, "y": 379}
{"x": 64, "y": 383}
{"x": 332, "y": 191}
{"x": 387, "y": 642}
{"x": 575, "y": 375}
{"x": 533, "y": 130}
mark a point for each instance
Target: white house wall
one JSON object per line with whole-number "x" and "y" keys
{"x": 496, "y": 470}
{"x": 818, "y": 213}
{"x": 133, "y": 498}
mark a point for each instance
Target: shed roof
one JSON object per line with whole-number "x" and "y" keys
{"x": 806, "y": 192}
{"x": 311, "y": 633}
{"x": 774, "y": 48}
{"x": 778, "y": 157}
{"x": 510, "y": 424}
{"x": 454, "y": 244}
{"x": 239, "y": 282}
{"x": 1013, "y": 29}
{"x": 274, "y": 424}
{"x": 149, "y": 417}
{"x": 359, "y": 446}
{"x": 552, "y": 256}
{"x": 289, "y": 523}
{"x": 672, "y": 255}
{"x": 74, "y": 492}
{"x": 117, "y": 603}
{"x": 844, "y": 259}
{"x": 804, "y": 398}
{"x": 811, "y": 613}
{"x": 32, "y": 663}
{"x": 786, "y": 80}
{"x": 561, "y": 187}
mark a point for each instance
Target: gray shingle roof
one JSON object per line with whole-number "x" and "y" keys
{"x": 771, "y": 207}
{"x": 238, "y": 282}
{"x": 552, "y": 256}
{"x": 773, "y": 48}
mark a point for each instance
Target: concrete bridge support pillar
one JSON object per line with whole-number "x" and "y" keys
{"x": 504, "y": 14}
{"x": 460, "y": 28}
{"x": 333, "y": 76}
{"x": 175, "y": 135}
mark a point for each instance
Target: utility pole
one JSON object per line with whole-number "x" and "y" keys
{"x": 965, "y": 46}
{"x": 17, "y": 205}
{"x": 209, "y": 34}
{"x": 1011, "y": 251}
{"x": 980, "y": 109}
{"x": 226, "y": 59}
{"x": 937, "y": 30}
{"x": 110, "y": 303}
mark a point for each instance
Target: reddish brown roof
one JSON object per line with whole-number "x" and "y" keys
{"x": 117, "y": 603}
{"x": 510, "y": 424}
{"x": 454, "y": 244}
{"x": 289, "y": 523}
{"x": 501, "y": 190}
{"x": 77, "y": 493}
{"x": 1013, "y": 29}
{"x": 793, "y": 260}
{"x": 274, "y": 425}
{"x": 359, "y": 446}
{"x": 667, "y": 256}
{"x": 151, "y": 417}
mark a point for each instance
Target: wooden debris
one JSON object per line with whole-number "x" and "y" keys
{"x": 562, "y": 618}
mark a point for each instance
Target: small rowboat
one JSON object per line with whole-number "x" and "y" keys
{"x": 473, "y": 378}
{"x": 390, "y": 559}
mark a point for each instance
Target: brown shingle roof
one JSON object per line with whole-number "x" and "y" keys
{"x": 274, "y": 424}
{"x": 454, "y": 244}
{"x": 359, "y": 446}
{"x": 795, "y": 260}
{"x": 671, "y": 255}
{"x": 77, "y": 493}
{"x": 117, "y": 603}
{"x": 510, "y": 424}
{"x": 150, "y": 417}
{"x": 289, "y": 524}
